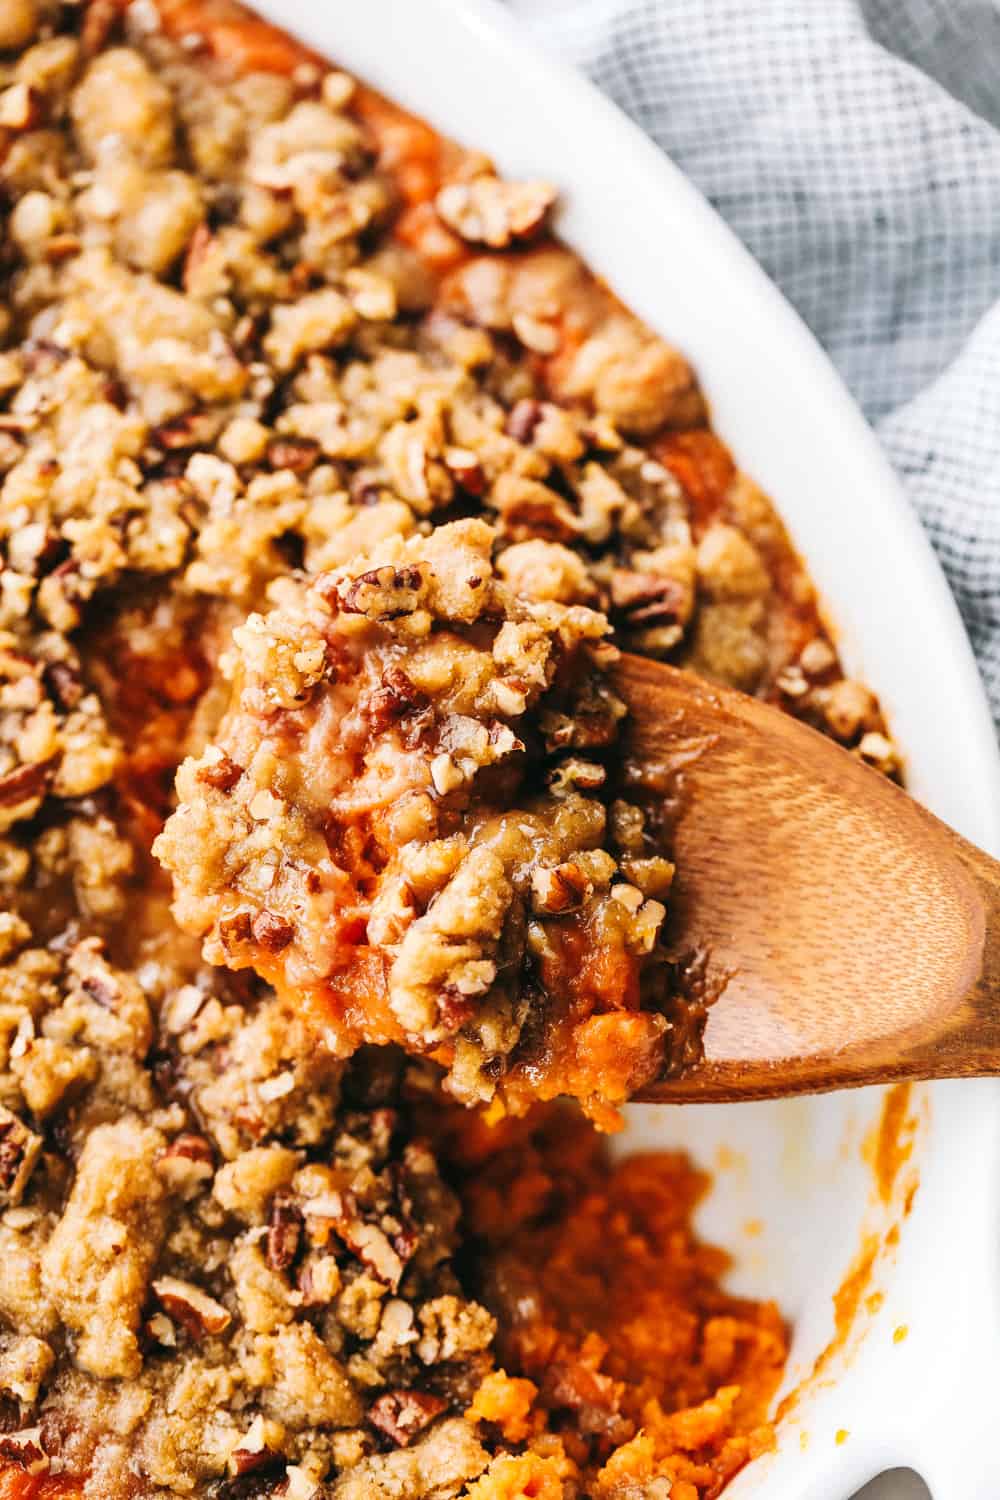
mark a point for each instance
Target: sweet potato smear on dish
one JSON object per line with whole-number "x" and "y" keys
{"x": 330, "y": 483}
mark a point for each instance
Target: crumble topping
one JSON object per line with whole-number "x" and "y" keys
{"x": 329, "y": 477}
{"x": 365, "y": 809}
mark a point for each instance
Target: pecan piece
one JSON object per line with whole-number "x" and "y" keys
{"x": 298, "y": 454}
{"x": 394, "y": 698}
{"x": 271, "y": 931}
{"x": 284, "y": 1232}
{"x": 24, "y": 1448}
{"x": 266, "y": 1479}
{"x": 365, "y": 488}
{"x": 188, "y": 1164}
{"x": 235, "y": 929}
{"x": 523, "y": 419}
{"x": 454, "y": 1008}
{"x": 560, "y": 889}
{"x": 27, "y": 781}
{"x": 373, "y": 1248}
{"x": 257, "y": 1449}
{"x": 192, "y": 429}
{"x": 403, "y": 1415}
{"x": 188, "y": 1305}
{"x": 222, "y": 773}
{"x": 529, "y": 510}
{"x": 385, "y": 593}
{"x": 62, "y": 247}
{"x": 19, "y": 1151}
{"x": 466, "y": 470}
{"x": 489, "y": 211}
{"x": 64, "y": 684}
{"x": 643, "y": 599}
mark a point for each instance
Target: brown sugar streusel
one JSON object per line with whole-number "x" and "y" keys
{"x": 329, "y": 476}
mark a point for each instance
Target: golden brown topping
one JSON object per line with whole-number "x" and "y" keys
{"x": 489, "y": 211}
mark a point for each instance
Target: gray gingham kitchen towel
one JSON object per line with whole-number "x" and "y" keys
{"x": 854, "y": 146}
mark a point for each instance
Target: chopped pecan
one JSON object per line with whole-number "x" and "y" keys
{"x": 365, "y": 488}
{"x": 403, "y": 1415}
{"x": 192, "y": 429}
{"x": 62, "y": 247}
{"x": 563, "y": 888}
{"x": 27, "y": 781}
{"x": 530, "y": 510}
{"x": 271, "y": 931}
{"x": 161, "y": 1331}
{"x": 188, "y": 1305}
{"x": 222, "y": 773}
{"x": 394, "y": 698}
{"x": 235, "y": 929}
{"x": 454, "y": 1008}
{"x": 257, "y": 1449}
{"x": 63, "y": 681}
{"x": 96, "y": 978}
{"x": 24, "y": 1448}
{"x": 466, "y": 470}
{"x": 299, "y": 1484}
{"x": 586, "y": 775}
{"x": 267, "y": 1479}
{"x": 19, "y": 1151}
{"x": 385, "y": 593}
{"x": 284, "y": 1232}
{"x": 373, "y": 1248}
{"x": 523, "y": 419}
{"x": 643, "y": 599}
{"x": 594, "y": 1395}
{"x": 489, "y": 211}
{"x": 319, "y": 1281}
{"x": 188, "y": 1163}
{"x": 115, "y": 393}
{"x": 298, "y": 454}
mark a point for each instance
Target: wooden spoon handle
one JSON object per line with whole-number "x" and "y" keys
{"x": 967, "y": 1042}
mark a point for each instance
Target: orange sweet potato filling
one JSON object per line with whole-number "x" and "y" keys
{"x": 615, "y": 1334}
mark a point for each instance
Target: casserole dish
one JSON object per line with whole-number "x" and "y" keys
{"x": 889, "y": 1276}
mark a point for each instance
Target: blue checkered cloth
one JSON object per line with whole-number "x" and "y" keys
{"x": 854, "y": 146}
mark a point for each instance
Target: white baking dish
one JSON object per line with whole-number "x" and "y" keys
{"x": 928, "y": 1399}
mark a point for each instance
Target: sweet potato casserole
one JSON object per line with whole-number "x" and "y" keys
{"x": 330, "y": 485}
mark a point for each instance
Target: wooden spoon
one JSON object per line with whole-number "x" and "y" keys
{"x": 856, "y": 936}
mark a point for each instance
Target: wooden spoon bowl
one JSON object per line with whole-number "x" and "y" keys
{"x": 852, "y": 934}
